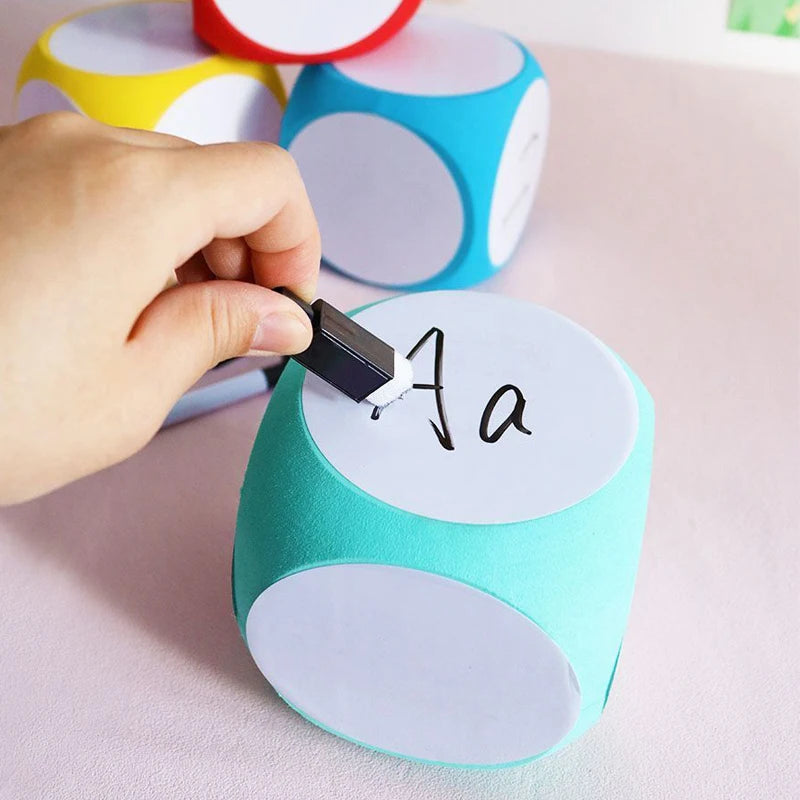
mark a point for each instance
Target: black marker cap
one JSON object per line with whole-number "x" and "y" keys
{"x": 343, "y": 353}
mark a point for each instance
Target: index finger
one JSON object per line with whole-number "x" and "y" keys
{"x": 252, "y": 190}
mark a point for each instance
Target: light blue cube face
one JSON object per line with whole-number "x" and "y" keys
{"x": 450, "y": 582}
{"x": 422, "y": 158}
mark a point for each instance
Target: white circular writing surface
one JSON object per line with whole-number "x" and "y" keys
{"x": 518, "y": 173}
{"x": 305, "y": 27}
{"x": 388, "y": 208}
{"x": 413, "y": 663}
{"x": 133, "y": 39}
{"x": 225, "y": 108}
{"x": 437, "y": 56}
{"x": 580, "y": 407}
{"x": 40, "y": 97}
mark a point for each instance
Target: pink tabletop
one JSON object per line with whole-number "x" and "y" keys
{"x": 667, "y": 223}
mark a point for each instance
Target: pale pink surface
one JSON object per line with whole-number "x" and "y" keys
{"x": 667, "y": 223}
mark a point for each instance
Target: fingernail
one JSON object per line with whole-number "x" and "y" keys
{"x": 282, "y": 332}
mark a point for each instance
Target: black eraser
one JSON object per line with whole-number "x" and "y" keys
{"x": 343, "y": 353}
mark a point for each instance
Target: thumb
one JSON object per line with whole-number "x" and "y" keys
{"x": 188, "y": 329}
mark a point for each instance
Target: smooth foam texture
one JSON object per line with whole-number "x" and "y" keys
{"x": 434, "y": 56}
{"x": 307, "y": 26}
{"x": 581, "y": 408}
{"x": 518, "y": 173}
{"x": 41, "y": 97}
{"x": 388, "y": 208}
{"x": 225, "y": 108}
{"x": 132, "y": 39}
{"x": 404, "y": 642}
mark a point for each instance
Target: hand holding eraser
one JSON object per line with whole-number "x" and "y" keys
{"x": 350, "y": 358}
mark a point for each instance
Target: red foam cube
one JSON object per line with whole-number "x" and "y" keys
{"x": 299, "y": 31}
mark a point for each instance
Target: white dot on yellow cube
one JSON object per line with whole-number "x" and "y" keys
{"x": 140, "y": 65}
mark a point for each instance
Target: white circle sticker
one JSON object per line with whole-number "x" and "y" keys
{"x": 307, "y": 26}
{"x": 225, "y": 108}
{"x": 518, "y": 412}
{"x": 132, "y": 39}
{"x": 518, "y": 173}
{"x": 434, "y": 56}
{"x": 388, "y": 208}
{"x": 414, "y": 664}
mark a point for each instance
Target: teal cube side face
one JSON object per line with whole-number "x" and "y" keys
{"x": 570, "y": 573}
{"x": 419, "y": 192}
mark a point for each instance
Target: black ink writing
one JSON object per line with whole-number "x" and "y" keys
{"x": 442, "y": 430}
{"x": 534, "y": 137}
{"x": 517, "y": 204}
{"x": 514, "y": 418}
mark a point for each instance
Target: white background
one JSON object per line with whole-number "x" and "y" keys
{"x": 690, "y": 29}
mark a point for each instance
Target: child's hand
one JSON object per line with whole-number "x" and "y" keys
{"x": 94, "y": 221}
